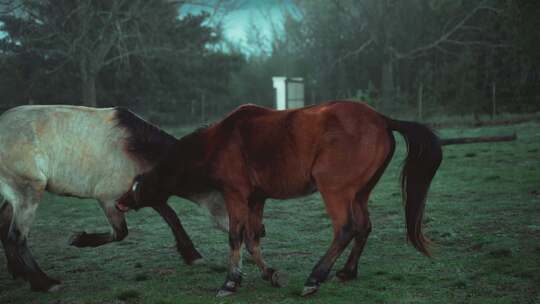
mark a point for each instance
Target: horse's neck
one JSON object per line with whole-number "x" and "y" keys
{"x": 192, "y": 148}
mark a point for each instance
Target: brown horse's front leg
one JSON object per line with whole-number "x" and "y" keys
{"x": 184, "y": 244}
{"x": 253, "y": 233}
{"x": 238, "y": 217}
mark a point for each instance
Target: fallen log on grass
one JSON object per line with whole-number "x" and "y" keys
{"x": 479, "y": 139}
{"x": 485, "y": 123}
{"x": 505, "y": 122}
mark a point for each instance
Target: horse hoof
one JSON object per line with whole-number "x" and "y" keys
{"x": 55, "y": 288}
{"x": 224, "y": 293}
{"x": 309, "y": 290}
{"x": 11, "y": 270}
{"x": 198, "y": 261}
{"x": 75, "y": 239}
{"x": 47, "y": 285}
{"x": 345, "y": 276}
{"x": 279, "y": 279}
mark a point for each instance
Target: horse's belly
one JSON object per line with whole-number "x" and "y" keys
{"x": 214, "y": 202}
{"x": 283, "y": 186}
{"x": 105, "y": 177}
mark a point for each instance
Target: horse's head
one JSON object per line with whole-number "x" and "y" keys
{"x": 144, "y": 192}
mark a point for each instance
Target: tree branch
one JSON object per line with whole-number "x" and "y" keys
{"x": 355, "y": 52}
{"x": 445, "y": 37}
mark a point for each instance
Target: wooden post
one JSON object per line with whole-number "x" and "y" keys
{"x": 286, "y": 93}
{"x": 493, "y": 100}
{"x": 203, "y": 108}
{"x": 420, "y": 101}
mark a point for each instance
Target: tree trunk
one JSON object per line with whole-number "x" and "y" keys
{"x": 88, "y": 83}
{"x": 387, "y": 86}
{"x": 89, "y": 91}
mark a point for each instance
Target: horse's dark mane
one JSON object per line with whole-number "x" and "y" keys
{"x": 145, "y": 140}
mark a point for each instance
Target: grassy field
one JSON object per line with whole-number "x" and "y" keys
{"x": 483, "y": 214}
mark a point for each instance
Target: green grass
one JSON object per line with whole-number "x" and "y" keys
{"x": 483, "y": 215}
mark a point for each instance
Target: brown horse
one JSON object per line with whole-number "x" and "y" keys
{"x": 339, "y": 148}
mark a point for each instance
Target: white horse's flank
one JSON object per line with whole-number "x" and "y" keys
{"x": 37, "y": 154}
{"x": 74, "y": 151}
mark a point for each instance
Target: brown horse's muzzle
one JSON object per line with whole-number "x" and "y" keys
{"x": 121, "y": 204}
{"x": 129, "y": 199}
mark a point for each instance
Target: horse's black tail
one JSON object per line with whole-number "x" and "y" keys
{"x": 423, "y": 159}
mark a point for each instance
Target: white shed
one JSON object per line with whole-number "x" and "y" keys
{"x": 289, "y": 92}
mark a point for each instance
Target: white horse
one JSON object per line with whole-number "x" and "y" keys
{"x": 80, "y": 152}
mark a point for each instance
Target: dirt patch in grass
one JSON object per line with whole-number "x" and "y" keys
{"x": 163, "y": 271}
{"x": 501, "y": 253}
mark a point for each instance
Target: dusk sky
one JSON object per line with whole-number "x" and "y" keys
{"x": 259, "y": 13}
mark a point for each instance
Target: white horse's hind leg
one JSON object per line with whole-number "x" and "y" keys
{"x": 118, "y": 233}
{"x": 16, "y": 217}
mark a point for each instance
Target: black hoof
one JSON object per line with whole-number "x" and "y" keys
{"x": 46, "y": 285}
{"x": 344, "y": 275}
{"x": 192, "y": 258}
{"x": 232, "y": 282}
{"x": 224, "y": 293}
{"x": 197, "y": 261}
{"x": 276, "y": 278}
{"x": 13, "y": 271}
{"x": 78, "y": 239}
{"x": 228, "y": 288}
{"x": 309, "y": 290}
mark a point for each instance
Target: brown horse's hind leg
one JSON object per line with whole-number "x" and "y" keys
{"x": 238, "y": 210}
{"x": 362, "y": 229}
{"x": 253, "y": 234}
{"x": 362, "y": 223}
{"x": 118, "y": 233}
{"x": 337, "y": 206}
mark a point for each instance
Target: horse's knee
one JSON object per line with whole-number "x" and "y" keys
{"x": 345, "y": 233}
{"x": 368, "y": 229}
{"x": 14, "y": 236}
{"x": 116, "y": 220}
{"x": 120, "y": 230}
{"x": 6, "y": 213}
{"x": 120, "y": 234}
{"x": 6, "y": 216}
{"x": 262, "y": 231}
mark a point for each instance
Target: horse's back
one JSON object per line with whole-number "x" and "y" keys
{"x": 283, "y": 148}
{"x": 267, "y": 133}
{"x": 77, "y": 149}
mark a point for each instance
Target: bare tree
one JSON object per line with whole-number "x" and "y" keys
{"x": 91, "y": 35}
{"x": 381, "y": 26}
